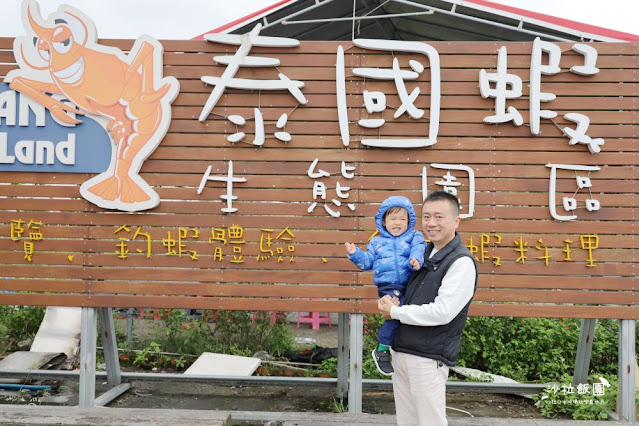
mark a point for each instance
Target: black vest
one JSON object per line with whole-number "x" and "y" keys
{"x": 435, "y": 342}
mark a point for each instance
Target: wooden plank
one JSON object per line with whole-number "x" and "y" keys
{"x": 547, "y": 281}
{"x": 557, "y": 296}
{"x": 179, "y": 275}
{"x": 181, "y": 302}
{"x": 477, "y": 309}
{"x": 65, "y": 415}
{"x": 549, "y": 311}
{"x": 197, "y": 289}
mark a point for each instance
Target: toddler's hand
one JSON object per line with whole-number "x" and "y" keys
{"x": 350, "y": 248}
{"x": 414, "y": 263}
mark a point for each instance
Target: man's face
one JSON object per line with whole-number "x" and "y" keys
{"x": 439, "y": 222}
{"x": 396, "y": 223}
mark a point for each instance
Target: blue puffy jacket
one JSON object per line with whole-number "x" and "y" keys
{"x": 387, "y": 255}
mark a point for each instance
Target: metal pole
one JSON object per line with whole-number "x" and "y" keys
{"x": 343, "y": 359}
{"x": 356, "y": 350}
{"x": 374, "y": 384}
{"x": 109, "y": 346}
{"x": 626, "y": 395}
{"x": 584, "y": 351}
{"x": 131, "y": 313}
{"x": 88, "y": 344}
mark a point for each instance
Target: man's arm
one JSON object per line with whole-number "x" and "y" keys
{"x": 455, "y": 292}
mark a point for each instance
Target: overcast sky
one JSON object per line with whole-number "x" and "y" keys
{"x": 185, "y": 19}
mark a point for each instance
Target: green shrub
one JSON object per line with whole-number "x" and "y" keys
{"x": 534, "y": 349}
{"x": 18, "y": 323}
{"x": 4, "y": 338}
{"x": 372, "y": 323}
{"x": 229, "y": 332}
{"x": 179, "y": 333}
{"x": 524, "y": 349}
{"x": 248, "y": 333}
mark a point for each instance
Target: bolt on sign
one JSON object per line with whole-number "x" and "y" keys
{"x": 148, "y": 173}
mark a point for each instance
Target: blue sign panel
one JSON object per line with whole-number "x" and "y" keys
{"x": 32, "y": 141}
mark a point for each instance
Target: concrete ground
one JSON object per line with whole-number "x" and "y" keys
{"x": 48, "y": 415}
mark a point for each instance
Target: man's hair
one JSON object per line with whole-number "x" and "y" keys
{"x": 394, "y": 209}
{"x": 444, "y": 196}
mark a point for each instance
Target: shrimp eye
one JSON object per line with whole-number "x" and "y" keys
{"x": 62, "y": 39}
{"x": 63, "y": 46}
{"x": 43, "y": 49}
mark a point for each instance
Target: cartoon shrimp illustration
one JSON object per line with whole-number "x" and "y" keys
{"x": 61, "y": 56}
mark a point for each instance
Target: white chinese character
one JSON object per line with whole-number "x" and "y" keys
{"x": 241, "y": 58}
{"x": 319, "y": 188}
{"x": 501, "y": 92}
{"x": 376, "y": 101}
{"x": 583, "y": 388}
{"x": 578, "y": 135}
{"x": 590, "y": 60}
{"x": 599, "y": 389}
{"x": 567, "y": 389}
{"x": 450, "y": 185}
{"x": 570, "y": 203}
{"x": 229, "y": 179}
{"x": 536, "y": 70}
{"x": 238, "y": 136}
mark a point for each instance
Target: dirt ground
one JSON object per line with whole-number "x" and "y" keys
{"x": 305, "y": 397}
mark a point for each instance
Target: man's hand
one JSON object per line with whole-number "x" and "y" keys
{"x": 385, "y": 304}
{"x": 350, "y": 248}
{"x": 415, "y": 264}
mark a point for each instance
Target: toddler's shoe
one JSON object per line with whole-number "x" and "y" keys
{"x": 383, "y": 362}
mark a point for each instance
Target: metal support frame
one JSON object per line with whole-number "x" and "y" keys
{"x": 373, "y": 384}
{"x": 627, "y": 361}
{"x": 356, "y": 350}
{"x": 518, "y": 28}
{"x": 110, "y": 346}
{"x": 130, "y": 314}
{"x": 88, "y": 348}
{"x": 88, "y": 345}
{"x": 486, "y": 21}
{"x": 343, "y": 358}
{"x": 318, "y": 3}
{"x": 584, "y": 351}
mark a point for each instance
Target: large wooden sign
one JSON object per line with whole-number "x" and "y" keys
{"x": 278, "y": 152}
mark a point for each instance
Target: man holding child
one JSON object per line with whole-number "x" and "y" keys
{"x": 431, "y": 316}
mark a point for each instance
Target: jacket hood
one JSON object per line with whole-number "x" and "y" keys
{"x": 395, "y": 201}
